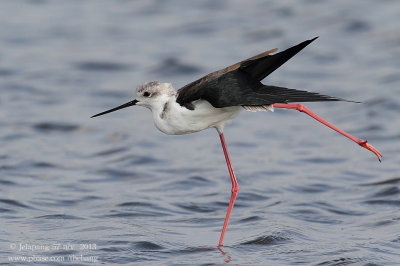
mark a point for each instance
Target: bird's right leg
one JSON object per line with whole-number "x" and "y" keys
{"x": 234, "y": 190}
{"x": 304, "y": 109}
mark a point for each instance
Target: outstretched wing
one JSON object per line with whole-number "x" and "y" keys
{"x": 261, "y": 67}
{"x": 195, "y": 90}
{"x": 239, "y": 84}
{"x": 237, "y": 88}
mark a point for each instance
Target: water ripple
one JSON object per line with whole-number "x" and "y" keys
{"x": 14, "y": 203}
{"x": 46, "y": 127}
{"x": 135, "y": 204}
{"x": 114, "y": 174}
{"x": 252, "y": 196}
{"x": 172, "y": 66}
{"x": 393, "y": 181}
{"x": 250, "y": 219}
{"x": 59, "y": 217}
{"x": 383, "y": 202}
{"x": 192, "y": 182}
{"x": 387, "y": 192}
{"x": 324, "y": 160}
{"x": 267, "y": 240}
{"x": 136, "y": 213}
{"x": 146, "y": 245}
{"x": 312, "y": 188}
{"x": 193, "y": 207}
{"x": 134, "y": 159}
{"x": 105, "y": 66}
{"x": 345, "y": 261}
{"x": 111, "y": 151}
{"x": 357, "y": 26}
{"x": 4, "y": 210}
{"x": 314, "y": 216}
{"x": 7, "y": 182}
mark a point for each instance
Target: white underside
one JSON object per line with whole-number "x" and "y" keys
{"x": 179, "y": 120}
{"x": 173, "y": 119}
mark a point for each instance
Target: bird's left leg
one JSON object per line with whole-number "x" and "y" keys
{"x": 304, "y": 109}
{"x": 234, "y": 190}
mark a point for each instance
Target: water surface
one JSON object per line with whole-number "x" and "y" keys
{"x": 113, "y": 190}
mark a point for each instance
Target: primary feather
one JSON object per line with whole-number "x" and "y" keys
{"x": 240, "y": 84}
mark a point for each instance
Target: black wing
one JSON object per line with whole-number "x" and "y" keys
{"x": 196, "y": 89}
{"x": 260, "y": 68}
{"x": 240, "y": 83}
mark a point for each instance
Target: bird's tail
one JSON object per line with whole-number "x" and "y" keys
{"x": 261, "y": 67}
{"x": 284, "y": 95}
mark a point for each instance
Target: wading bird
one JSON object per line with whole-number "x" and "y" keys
{"x": 215, "y": 99}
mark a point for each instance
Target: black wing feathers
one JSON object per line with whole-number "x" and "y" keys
{"x": 262, "y": 67}
{"x": 273, "y": 94}
{"x": 238, "y": 88}
{"x": 240, "y": 84}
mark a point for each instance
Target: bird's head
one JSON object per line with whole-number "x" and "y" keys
{"x": 153, "y": 94}
{"x": 150, "y": 94}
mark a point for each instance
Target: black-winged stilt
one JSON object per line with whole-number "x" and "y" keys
{"x": 216, "y": 98}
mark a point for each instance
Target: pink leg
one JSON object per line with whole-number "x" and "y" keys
{"x": 304, "y": 109}
{"x": 234, "y": 191}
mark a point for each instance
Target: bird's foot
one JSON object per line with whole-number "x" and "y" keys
{"x": 368, "y": 146}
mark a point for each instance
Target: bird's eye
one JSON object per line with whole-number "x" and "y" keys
{"x": 146, "y": 94}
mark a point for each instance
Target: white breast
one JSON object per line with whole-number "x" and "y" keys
{"x": 174, "y": 119}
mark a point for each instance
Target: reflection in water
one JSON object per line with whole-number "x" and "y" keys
{"x": 226, "y": 255}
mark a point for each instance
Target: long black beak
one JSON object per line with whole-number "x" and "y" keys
{"x": 131, "y": 103}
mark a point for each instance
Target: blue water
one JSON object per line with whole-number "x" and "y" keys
{"x": 114, "y": 190}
